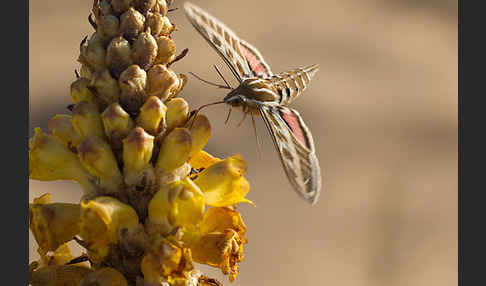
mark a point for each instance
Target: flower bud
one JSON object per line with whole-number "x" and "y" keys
{"x": 132, "y": 83}
{"x": 120, "y": 6}
{"x": 177, "y": 112}
{"x": 105, "y": 7}
{"x": 97, "y": 157}
{"x": 80, "y": 91}
{"x": 58, "y": 275}
{"x": 108, "y": 26}
{"x": 154, "y": 22}
{"x": 200, "y": 132}
{"x": 105, "y": 276}
{"x": 174, "y": 150}
{"x": 106, "y": 87}
{"x": 118, "y": 55}
{"x": 144, "y": 50}
{"x": 53, "y": 224}
{"x": 166, "y": 50}
{"x": 86, "y": 72}
{"x": 131, "y": 23}
{"x": 161, "y": 81}
{"x": 61, "y": 127}
{"x": 50, "y": 160}
{"x": 161, "y": 7}
{"x": 166, "y": 26}
{"x": 144, "y": 5}
{"x": 137, "y": 151}
{"x": 116, "y": 121}
{"x": 103, "y": 219}
{"x": 93, "y": 53}
{"x": 223, "y": 183}
{"x": 152, "y": 115}
{"x": 86, "y": 120}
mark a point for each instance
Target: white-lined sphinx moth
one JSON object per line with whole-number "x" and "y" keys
{"x": 260, "y": 92}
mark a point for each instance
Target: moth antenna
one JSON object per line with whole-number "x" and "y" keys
{"x": 172, "y": 9}
{"x": 179, "y": 57}
{"x": 229, "y": 113}
{"x": 196, "y": 112}
{"x": 208, "y": 82}
{"x": 256, "y": 137}
{"x": 221, "y": 75}
{"x": 243, "y": 119}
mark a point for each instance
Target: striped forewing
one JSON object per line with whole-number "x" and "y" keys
{"x": 243, "y": 59}
{"x": 292, "y": 83}
{"x": 295, "y": 147}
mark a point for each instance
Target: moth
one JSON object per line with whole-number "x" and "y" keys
{"x": 263, "y": 93}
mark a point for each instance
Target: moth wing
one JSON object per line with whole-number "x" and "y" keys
{"x": 255, "y": 60}
{"x": 295, "y": 146}
{"x": 221, "y": 38}
{"x": 243, "y": 59}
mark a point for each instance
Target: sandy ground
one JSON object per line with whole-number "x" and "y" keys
{"x": 383, "y": 111}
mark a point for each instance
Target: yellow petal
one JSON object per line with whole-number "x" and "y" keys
{"x": 174, "y": 150}
{"x": 50, "y": 160}
{"x": 177, "y": 204}
{"x": 202, "y": 159}
{"x": 223, "y": 183}
{"x": 53, "y": 224}
{"x": 217, "y": 219}
{"x": 165, "y": 261}
{"x": 101, "y": 221}
{"x": 219, "y": 249}
{"x": 200, "y": 132}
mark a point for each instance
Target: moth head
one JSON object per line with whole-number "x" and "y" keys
{"x": 234, "y": 99}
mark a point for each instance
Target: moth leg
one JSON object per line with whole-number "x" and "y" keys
{"x": 243, "y": 119}
{"x": 256, "y": 136}
{"x": 229, "y": 113}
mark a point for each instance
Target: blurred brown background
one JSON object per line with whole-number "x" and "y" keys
{"x": 383, "y": 111}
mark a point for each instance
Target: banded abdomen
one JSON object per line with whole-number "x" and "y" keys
{"x": 292, "y": 83}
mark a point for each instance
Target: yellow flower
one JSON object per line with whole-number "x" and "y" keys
{"x": 223, "y": 183}
{"x": 50, "y": 159}
{"x": 219, "y": 249}
{"x": 53, "y": 224}
{"x": 178, "y": 204}
{"x": 102, "y": 219}
{"x": 218, "y": 219}
{"x": 165, "y": 262}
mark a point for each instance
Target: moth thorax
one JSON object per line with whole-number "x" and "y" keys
{"x": 259, "y": 89}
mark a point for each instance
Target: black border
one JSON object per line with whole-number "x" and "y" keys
{"x": 15, "y": 130}
{"x": 472, "y": 143}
